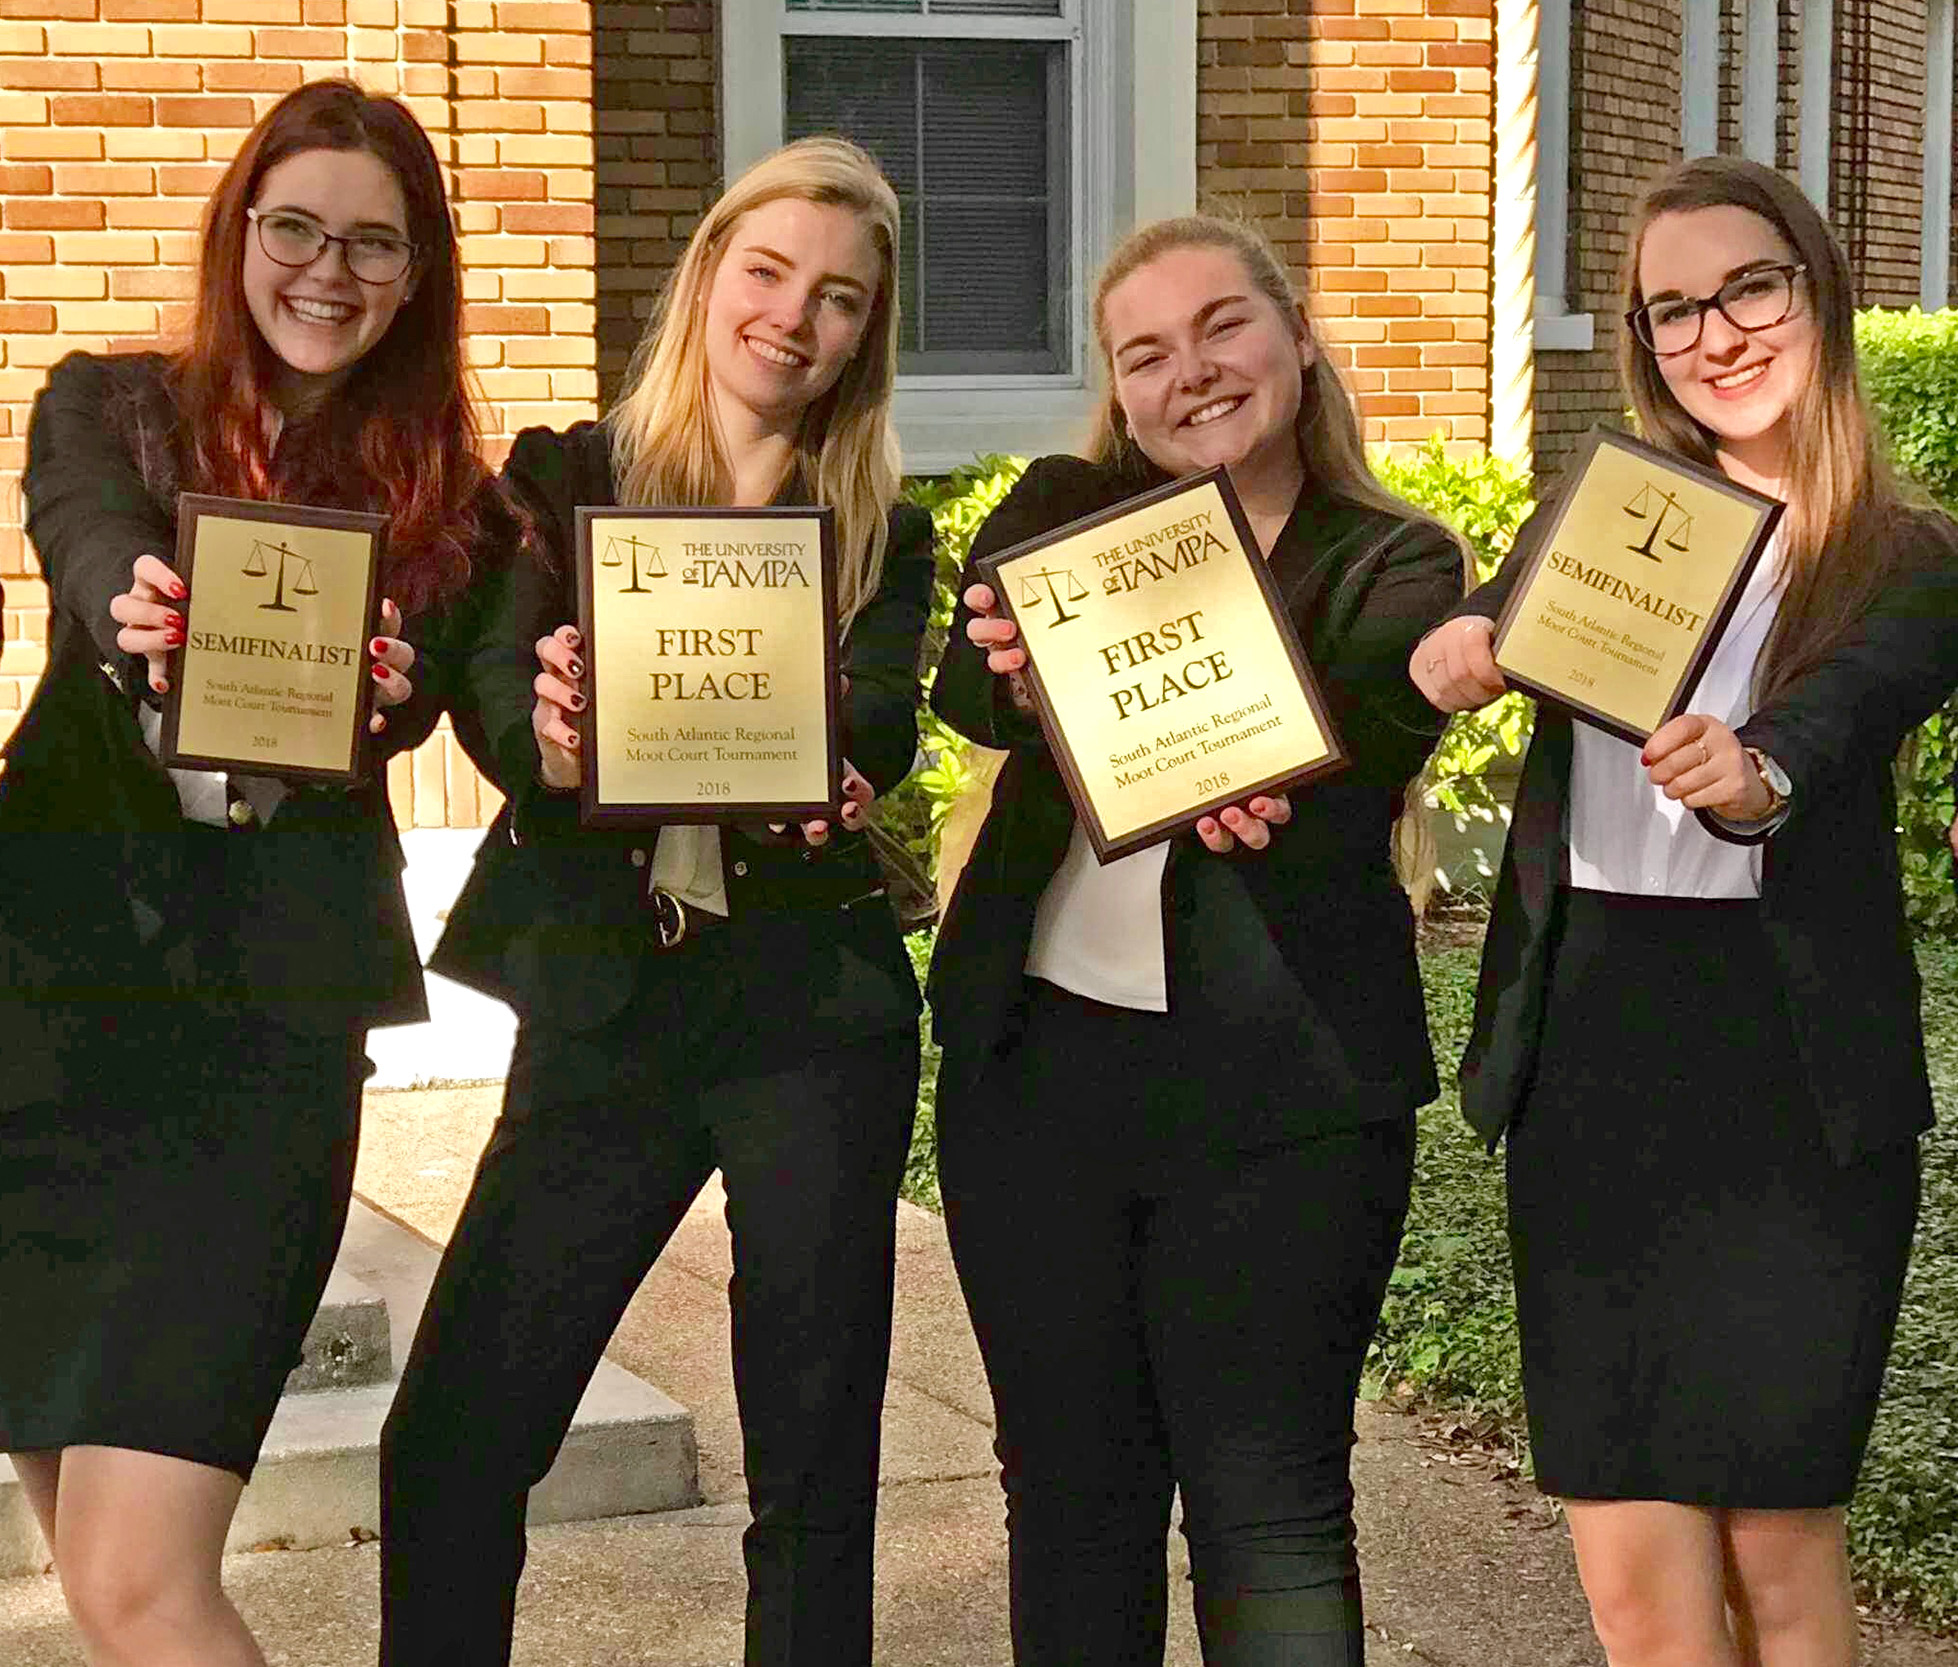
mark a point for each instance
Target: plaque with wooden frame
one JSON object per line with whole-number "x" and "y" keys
{"x": 1164, "y": 666}
{"x": 273, "y": 677}
{"x": 1630, "y": 586}
{"x": 711, "y": 665}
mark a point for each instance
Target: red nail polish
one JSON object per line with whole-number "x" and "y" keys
{"x": 380, "y": 672}
{"x": 378, "y": 647}
{"x": 178, "y": 592}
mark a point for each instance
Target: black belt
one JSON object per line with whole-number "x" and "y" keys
{"x": 676, "y": 921}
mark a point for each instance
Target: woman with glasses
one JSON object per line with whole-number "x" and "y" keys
{"x": 191, "y": 960}
{"x": 1698, "y": 1013}
{"x": 690, "y": 998}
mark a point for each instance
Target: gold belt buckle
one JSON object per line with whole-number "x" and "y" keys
{"x": 673, "y": 926}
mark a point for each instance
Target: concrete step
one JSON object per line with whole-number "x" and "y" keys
{"x": 631, "y": 1449}
{"x": 348, "y": 1343}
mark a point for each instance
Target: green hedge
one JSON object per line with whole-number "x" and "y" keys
{"x": 1910, "y": 367}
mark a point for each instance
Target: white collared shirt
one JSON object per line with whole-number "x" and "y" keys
{"x": 687, "y": 863}
{"x": 1625, "y": 834}
{"x": 1098, "y": 931}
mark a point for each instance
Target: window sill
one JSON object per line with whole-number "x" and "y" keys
{"x": 941, "y": 424}
{"x": 1562, "y": 332}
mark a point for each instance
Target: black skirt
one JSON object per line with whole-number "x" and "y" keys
{"x": 165, "y": 1237}
{"x": 1706, "y": 1297}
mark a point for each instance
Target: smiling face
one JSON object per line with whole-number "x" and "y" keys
{"x": 1740, "y": 385}
{"x": 319, "y": 319}
{"x": 788, "y": 307}
{"x": 1206, "y": 367}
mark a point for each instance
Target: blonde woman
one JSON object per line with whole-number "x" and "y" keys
{"x": 1700, "y": 1032}
{"x": 1187, "y": 1080}
{"x": 696, "y": 999}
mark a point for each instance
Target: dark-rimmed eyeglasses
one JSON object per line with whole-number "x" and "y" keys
{"x": 293, "y": 240}
{"x": 1756, "y": 300}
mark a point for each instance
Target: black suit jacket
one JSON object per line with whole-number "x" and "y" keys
{"x": 553, "y": 918}
{"x": 1831, "y": 895}
{"x": 1321, "y": 904}
{"x": 323, "y": 936}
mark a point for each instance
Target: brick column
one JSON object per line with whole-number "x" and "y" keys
{"x": 1359, "y": 132}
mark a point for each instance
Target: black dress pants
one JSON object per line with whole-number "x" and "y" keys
{"x": 1155, "y": 1316}
{"x": 605, "y": 1139}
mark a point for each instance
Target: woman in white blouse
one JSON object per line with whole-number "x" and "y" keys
{"x": 1176, "y": 1106}
{"x": 1700, "y": 1031}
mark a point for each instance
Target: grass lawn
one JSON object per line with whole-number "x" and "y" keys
{"x": 1448, "y": 1331}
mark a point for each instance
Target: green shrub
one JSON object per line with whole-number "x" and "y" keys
{"x": 1484, "y": 499}
{"x": 1909, "y": 362}
{"x": 907, "y": 820}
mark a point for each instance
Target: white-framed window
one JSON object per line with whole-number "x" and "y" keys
{"x": 1556, "y": 327}
{"x": 1023, "y": 138}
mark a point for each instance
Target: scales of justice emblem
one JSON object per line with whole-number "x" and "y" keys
{"x": 1678, "y": 533}
{"x": 258, "y": 564}
{"x": 632, "y": 546}
{"x": 1051, "y": 578}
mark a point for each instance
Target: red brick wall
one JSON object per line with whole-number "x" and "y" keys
{"x": 1359, "y": 132}
{"x": 116, "y": 118}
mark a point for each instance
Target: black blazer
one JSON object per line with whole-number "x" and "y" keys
{"x": 552, "y": 919}
{"x": 1363, "y": 586}
{"x": 1831, "y": 895}
{"x": 323, "y": 934}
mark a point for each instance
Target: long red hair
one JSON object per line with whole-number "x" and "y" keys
{"x": 399, "y": 436}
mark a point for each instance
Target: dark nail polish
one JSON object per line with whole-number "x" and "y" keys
{"x": 572, "y": 639}
{"x": 577, "y": 703}
{"x": 573, "y": 740}
{"x": 576, "y": 668}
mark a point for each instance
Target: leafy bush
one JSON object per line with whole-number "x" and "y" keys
{"x": 909, "y": 819}
{"x": 1484, "y": 499}
{"x": 1909, "y": 362}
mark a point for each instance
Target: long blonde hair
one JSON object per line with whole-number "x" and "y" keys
{"x": 1329, "y": 438}
{"x": 1843, "y": 498}
{"x": 666, "y": 446}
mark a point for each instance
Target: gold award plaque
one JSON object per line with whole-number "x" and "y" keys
{"x": 272, "y": 678}
{"x": 1165, "y": 669}
{"x": 711, "y": 642}
{"x": 1631, "y": 586}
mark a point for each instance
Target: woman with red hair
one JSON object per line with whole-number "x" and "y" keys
{"x": 191, "y": 976}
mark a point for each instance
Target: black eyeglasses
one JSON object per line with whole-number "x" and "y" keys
{"x": 1756, "y": 300}
{"x": 293, "y": 240}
